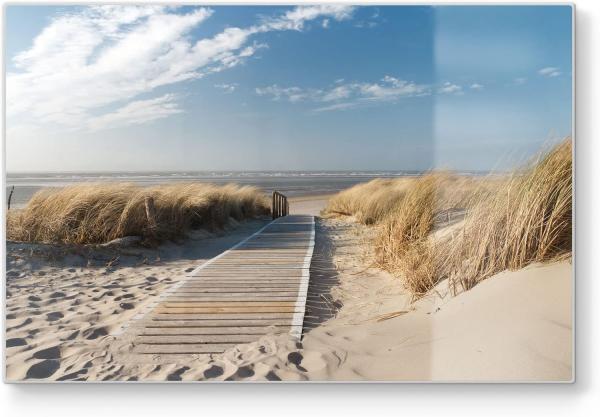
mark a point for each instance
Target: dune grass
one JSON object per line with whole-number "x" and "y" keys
{"x": 374, "y": 201}
{"x": 101, "y": 212}
{"x": 401, "y": 242}
{"x": 528, "y": 219}
{"x": 509, "y": 221}
{"x": 370, "y": 202}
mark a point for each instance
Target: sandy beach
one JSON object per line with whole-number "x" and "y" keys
{"x": 65, "y": 305}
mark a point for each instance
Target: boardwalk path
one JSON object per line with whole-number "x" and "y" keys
{"x": 257, "y": 287}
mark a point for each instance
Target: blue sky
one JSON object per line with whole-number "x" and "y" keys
{"x": 276, "y": 88}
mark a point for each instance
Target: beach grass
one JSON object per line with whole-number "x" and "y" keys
{"x": 529, "y": 219}
{"x": 101, "y": 212}
{"x": 510, "y": 221}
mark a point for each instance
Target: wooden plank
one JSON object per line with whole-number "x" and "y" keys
{"x": 221, "y": 303}
{"x": 275, "y": 262}
{"x": 288, "y": 284}
{"x": 220, "y": 323}
{"x": 195, "y": 298}
{"x": 268, "y": 252}
{"x": 252, "y": 281}
{"x": 170, "y": 339}
{"x": 242, "y": 274}
{"x": 224, "y": 310}
{"x": 232, "y": 316}
{"x": 187, "y": 330}
{"x": 250, "y": 270}
{"x": 243, "y": 286}
{"x": 258, "y": 282}
{"x": 241, "y": 289}
{"x": 220, "y": 300}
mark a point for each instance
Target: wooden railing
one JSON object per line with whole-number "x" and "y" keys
{"x": 280, "y": 206}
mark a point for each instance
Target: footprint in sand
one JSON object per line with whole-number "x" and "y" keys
{"x": 23, "y": 324}
{"x": 49, "y": 353}
{"x": 272, "y": 376}
{"x": 57, "y": 294}
{"x": 245, "y": 372}
{"x": 296, "y": 358}
{"x": 43, "y": 369}
{"x": 15, "y": 341}
{"x": 95, "y": 333}
{"x": 126, "y": 306}
{"x": 151, "y": 279}
{"x": 213, "y": 372}
{"x": 176, "y": 376}
{"x": 34, "y": 298}
{"x": 73, "y": 335}
{"x": 73, "y": 375}
{"x": 55, "y": 315}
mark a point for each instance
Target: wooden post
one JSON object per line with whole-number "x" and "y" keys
{"x": 150, "y": 214}
{"x": 278, "y": 205}
{"x": 10, "y": 196}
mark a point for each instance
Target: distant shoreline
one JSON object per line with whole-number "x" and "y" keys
{"x": 294, "y": 184}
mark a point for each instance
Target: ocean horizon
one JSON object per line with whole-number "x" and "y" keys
{"x": 290, "y": 183}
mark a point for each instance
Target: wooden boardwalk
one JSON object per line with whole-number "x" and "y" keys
{"x": 258, "y": 287}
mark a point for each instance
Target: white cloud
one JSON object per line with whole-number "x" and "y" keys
{"x": 549, "y": 72}
{"x": 137, "y": 112}
{"x": 325, "y": 23}
{"x": 344, "y": 96}
{"x": 520, "y": 81}
{"x": 449, "y": 88}
{"x": 228, "y": 88}
{"x": 83, "y": 63}
{"x": 296, "y": 18}
{"x": 338, "y": 106}
{"x": 476, "y": 86}
{"x": 292, "y": 94}
{"x": 337, "y": 93}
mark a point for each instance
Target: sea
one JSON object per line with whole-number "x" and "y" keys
{"x": 289, "y": 183}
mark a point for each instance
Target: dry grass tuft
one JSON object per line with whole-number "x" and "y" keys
{"x": 528, "y": 219}
{"x": 402, "y": 237}
{"x": 370, "y": 202}
{"x": 373, "y": 202}
{"x": 99, "y": 213}
{"x": 509, "y": 221}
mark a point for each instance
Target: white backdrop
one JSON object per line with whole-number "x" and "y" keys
{"x": 578, "y": 399}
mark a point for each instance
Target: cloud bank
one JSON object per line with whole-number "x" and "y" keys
{"x": 97, "y": 68}
{"x": 342, "y": 95}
